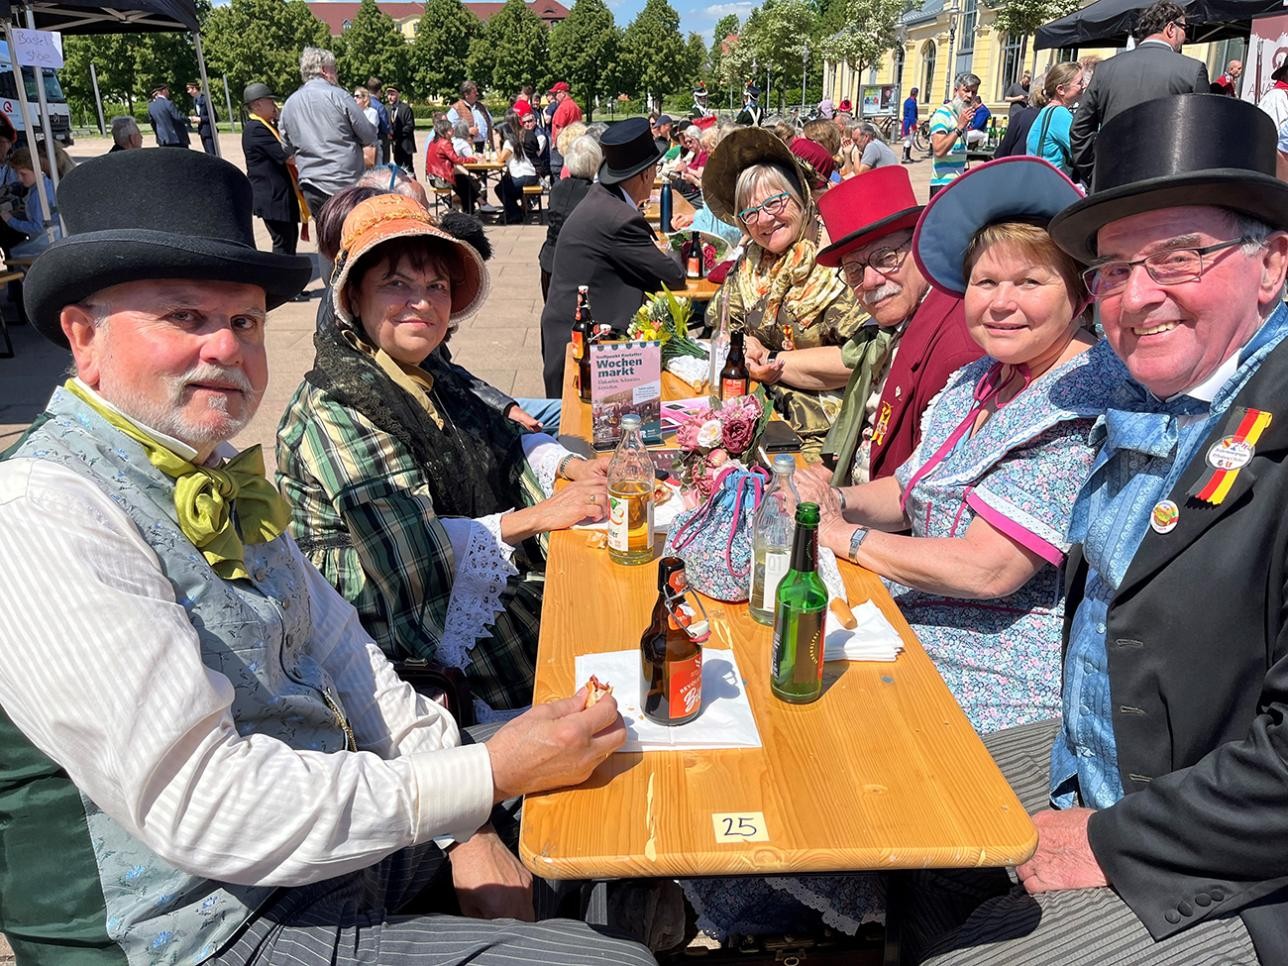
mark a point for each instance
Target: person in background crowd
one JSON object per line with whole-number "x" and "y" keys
{"x": 751, "y": 113}
{"x": 126, "y": 135}
{"x": 1049, "y": 134}
{"x": 1016, "y": 139}
{"x": 916, "y": 338}
{"x": 383, "y": 129}
{"x": 216, "y": 652}
{"x": 1228, "y": 83}
{"x": 948, "y": 126}
{"x": 1017, "y": 96}
{"x": 520, "y": 172}
{"x": 1275, "y": 103}
{"x": 362, "y": 97}
{"x": 523, "y": 101}
{"x": 607, "y": 245}
{"x": 662, "y": 132}
{"x": 978, "y": 132}
{"x": 565, "y": 112}
{"x": 825, "y": 109}
{"x": 474, "y": 112}
{"x": 795, "y": 312}
{"x": 908, "y": 124}
{"x": 817, "y": 152}
{"x": 785, "y": 131}
{"x": 700, "y": 108}
{"x": 275, "y": 191}
{"x": 462, "y": 139}
{"x": 1155, "y": 68}
{"x": 871, "y": 150}
{"x": 536, "y": 145}
{"x": 30, "y": 172}
{"x": 1158, "y": 795}
{"x": 168, "y": 122}
{"x": 327, "y": 129}
{"x": 204, "y": 117}
{"x": 581, "y": 161}
{"x": 444, "y": 163}
{"x": 686, "y": 176}
{"x": 402, "y": 131}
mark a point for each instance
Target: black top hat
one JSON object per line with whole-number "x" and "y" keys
{"x": 1184, "y": 149}
{"x": 151, "y": 214}
{"x": 628, "y": 148}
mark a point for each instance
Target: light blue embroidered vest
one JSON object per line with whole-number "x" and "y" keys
{"x": 141, "y": 909}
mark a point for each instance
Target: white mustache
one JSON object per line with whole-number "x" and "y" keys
{"x": 886, "y": 290}
{"x": 206, "y": 372}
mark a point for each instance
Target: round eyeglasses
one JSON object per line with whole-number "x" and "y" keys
{"x": 883, "y": 261}
{"x": 1172, "y": 266}
{"x": 773, "y": 205}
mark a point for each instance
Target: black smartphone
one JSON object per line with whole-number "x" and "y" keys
{"x": 779, "y": 437}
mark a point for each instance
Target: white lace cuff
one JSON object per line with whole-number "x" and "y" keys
{"x": 483, "y": 565}
{"x": 543, "y": 455}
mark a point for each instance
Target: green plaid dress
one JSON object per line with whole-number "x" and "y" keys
{"x": 363, "y": 514}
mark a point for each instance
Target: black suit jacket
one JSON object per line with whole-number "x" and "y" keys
{"x": 566, "y": 195}
{"x": 606, "y": 244}
{"x": 270, "y": 182}
{"x": 205, "y": 115}
{"x": 1151, "y": 70}
{"x": 402, "y": 128}
{"x": 1198, "y": 668}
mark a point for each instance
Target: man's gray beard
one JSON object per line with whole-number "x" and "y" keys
{"x": 166, "y": 417}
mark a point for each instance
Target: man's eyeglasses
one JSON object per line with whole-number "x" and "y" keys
{"x": 1174, "y": 266}
{"x": 1182, "y": 25}
{"x": 773, "y": 205}
{"x": 883, "y": 261}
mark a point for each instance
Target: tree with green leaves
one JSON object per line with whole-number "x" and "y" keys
{"x": 479, "y": 62}
{"x": 695, "y": 59}
{"x": 128, "y": 67}
{"x": 725, "y": 26}
{"x": 651, "y": 59}
{"x": 260, "y": 40}
{"x": 439, "y": 54}
{"x": 1019, "y": 17}
{"x": 373, "y": 46}
{"x": 777, "y": 37}
{"x": 518, "y": 42}
{"x": 583, "y": 52}
{"x": 869, "y": 32}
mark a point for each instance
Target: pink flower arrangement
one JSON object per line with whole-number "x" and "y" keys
{"x": 709, "y": 438}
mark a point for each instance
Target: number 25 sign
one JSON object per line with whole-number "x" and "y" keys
{"x": 739, "y": 827}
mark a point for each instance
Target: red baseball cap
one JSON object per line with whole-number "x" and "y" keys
{"x": 522, "y": 107}
{"x": 560, "y": 86}
{"x": 864, "y": 208}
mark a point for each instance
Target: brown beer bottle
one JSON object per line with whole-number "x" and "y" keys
{"x": 582, "y": 331}
{"x": 671, "y": 649}
{"x": 694, "y": 260}
{"x": 735, "y": 380}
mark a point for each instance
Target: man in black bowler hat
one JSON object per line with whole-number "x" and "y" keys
{"x": 607, "y": 244}
{"x": 206, "y": 758}
{"x": 1161, "y": 795}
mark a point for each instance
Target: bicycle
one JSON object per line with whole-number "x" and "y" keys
{"x": 921, "y": 136}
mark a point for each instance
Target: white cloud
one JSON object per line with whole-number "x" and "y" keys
{"x": 740, "y": 8}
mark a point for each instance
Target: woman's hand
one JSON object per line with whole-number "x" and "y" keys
{"x": 681, "y": 220}
{"x": 760, "y": 367}
{"x": 814, "y": 484}
{"x": 581, "y": 501}
{"x": 596, "y": 469}
{"x": 515, "y": 413}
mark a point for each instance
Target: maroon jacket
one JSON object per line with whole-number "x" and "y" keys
{"x": 935, "y": 345}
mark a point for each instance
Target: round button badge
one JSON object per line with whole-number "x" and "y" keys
{"x": 1229, "y": 453}
{"x": 1165, "y": 517}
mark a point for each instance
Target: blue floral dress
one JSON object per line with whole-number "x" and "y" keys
{"x": 1000, "y": 658}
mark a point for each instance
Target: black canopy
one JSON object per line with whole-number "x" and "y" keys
{"x": 111, "y": 16}
{"x": 1107, "y": 23}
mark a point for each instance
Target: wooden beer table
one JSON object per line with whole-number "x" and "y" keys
{"x": 882, "y": 772}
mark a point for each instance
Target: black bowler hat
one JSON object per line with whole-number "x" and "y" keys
{"x": 257, "y": 91}
{"x": 153, "y": 214}
{"x": 629, "y": 148}
{"x": 1180, "y": 150}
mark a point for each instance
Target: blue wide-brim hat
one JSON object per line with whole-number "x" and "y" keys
{"x": 1018, "y": 188}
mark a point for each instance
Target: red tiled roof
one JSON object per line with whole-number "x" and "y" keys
{"x": 334, "y": 14}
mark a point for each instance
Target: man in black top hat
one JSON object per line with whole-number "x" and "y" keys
{"x": 1161, "y": 796}
{"x": 607, "y": 244}
{"x": 186, "y": 706}
{"x": 168, "y": 122}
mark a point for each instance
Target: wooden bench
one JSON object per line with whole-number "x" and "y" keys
{"x": 531, "y": 193}
{"x": 7, "y": 277}
{"x": 442, "y": 199}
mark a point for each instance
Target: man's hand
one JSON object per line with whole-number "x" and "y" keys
{"x": 490, "y": 882}
{"x": 515, "y": 413}
{"x": 554, "y": 745}
{"x": 1064, "y": 859}
{"x": 759, "y": 366}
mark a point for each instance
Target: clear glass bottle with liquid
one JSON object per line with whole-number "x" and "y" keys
{"x": 719, "y": 347}
{"x": 630, "y": 497}
{"x": 771, "y": 547}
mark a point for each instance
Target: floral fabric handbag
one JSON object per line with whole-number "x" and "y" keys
{"x": 714, "y": 540}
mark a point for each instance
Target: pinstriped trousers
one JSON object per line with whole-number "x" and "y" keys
{"x": 983, "y": 918}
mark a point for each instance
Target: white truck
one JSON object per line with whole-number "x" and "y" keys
{"x": 60, "y": 116}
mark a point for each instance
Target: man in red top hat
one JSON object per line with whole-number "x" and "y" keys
{"x": 916, "y": 339}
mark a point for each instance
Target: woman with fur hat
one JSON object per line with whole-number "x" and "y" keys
{"x": 420, "y": 503}
{"x": 796, "y": 313}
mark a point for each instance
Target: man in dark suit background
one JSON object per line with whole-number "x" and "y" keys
{"x": 607, "y": 245}
{"x": 402, "y": 129}
{"x": 168, "y": 122}
{"x": 1167, "y": 837}
{"x": 276, "y": 196}
{"x": 204, "y": 116}
{"x": 1155, "y": 68}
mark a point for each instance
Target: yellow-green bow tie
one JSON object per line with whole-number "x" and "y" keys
{"x": 204, "y": 496}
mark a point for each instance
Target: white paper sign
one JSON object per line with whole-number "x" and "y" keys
{"x": 38, "y": 48}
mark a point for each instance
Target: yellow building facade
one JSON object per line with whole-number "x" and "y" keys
{"x": 941, "y": 41}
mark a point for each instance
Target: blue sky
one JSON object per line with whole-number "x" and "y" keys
{"x": 694, "y": 15}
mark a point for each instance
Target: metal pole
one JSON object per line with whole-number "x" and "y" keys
{"x": 804, "y": 72}
{"x": 26, "y": 120}
{"x": 948, "y": 66}
{"x": 205, "y": 86}
{"x": 46, "y": 122}
{"x": 98, "y": 98}
{"x": 229, "y": 101}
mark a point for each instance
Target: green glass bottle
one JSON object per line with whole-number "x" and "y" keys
{"x": 796, "y": 663}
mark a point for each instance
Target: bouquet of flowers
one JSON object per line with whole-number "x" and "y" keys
{"x": 711, "y": 437}
{"x": 664, "y": 318}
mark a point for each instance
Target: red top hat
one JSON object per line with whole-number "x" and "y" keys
{"x": 865, "y": 208}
